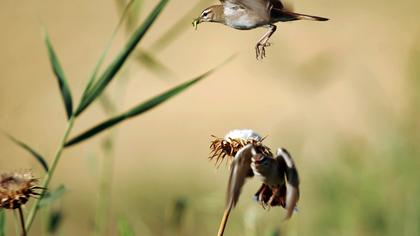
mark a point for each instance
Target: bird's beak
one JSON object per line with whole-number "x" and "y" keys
{"x": 196, "y": 22}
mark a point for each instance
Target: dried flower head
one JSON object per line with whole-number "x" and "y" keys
{"x": 233, "y": 142}
{"x": 16, "y": 188}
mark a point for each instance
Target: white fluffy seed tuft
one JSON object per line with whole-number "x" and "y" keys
{"x": 245, "y": 134}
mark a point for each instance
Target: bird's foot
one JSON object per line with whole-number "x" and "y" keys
{"x": 260, "y": 50}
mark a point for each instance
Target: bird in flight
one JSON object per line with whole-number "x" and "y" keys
{"x": 251, "y": 14}
{"x": 249, "y": 157}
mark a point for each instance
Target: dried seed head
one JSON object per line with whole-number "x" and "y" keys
{"x": 233, "y": 141}
{"x": 16, "y": 188}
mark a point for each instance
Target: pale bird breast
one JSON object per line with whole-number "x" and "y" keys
{"x": 239, "y": 18}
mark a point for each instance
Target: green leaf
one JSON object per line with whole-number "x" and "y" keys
{"x": 153, "y": 64}
{"x": 2, "y": 222}
{"x": 59, "y": 74}
{"x": 106, "y": 50}
{"x": 124, "y": 228}
{"x": 54, "y": 221}
{"x": 133, "y": 16}
{"x": 179, "y": 26}
{"x": 35, "y": 154}
{"x": 143, "y": 107}
{"x": 50, "y": 197}
{"x": 119, "y": 61}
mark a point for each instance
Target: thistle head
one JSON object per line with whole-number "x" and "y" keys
{"x": 233, "y": 142}
{"x": 16, "y": 188}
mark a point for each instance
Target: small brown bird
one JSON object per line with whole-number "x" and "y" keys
{"x": 250, "y": 14}
{"x": 280, "y": 180}
{"x": 278, "y": 174}
{"x": 249, "y": 157}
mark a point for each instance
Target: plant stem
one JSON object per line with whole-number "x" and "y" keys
{"x": 104, "y": 195}
{"x": 50, "y": 173}
{"x": 224, "y": 220}
{"x": 22, "y": 221}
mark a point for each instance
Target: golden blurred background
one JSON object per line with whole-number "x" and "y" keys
{"x": 341, "y": 96}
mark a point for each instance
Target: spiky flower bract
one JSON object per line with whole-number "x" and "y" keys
{"x": 233, "y": 142}
{"x": 16, "y": 188}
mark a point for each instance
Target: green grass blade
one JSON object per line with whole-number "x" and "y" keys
{"x": 143, "y": 107}
{"x": 133, "y": 16}
{"x": 179, "y": 26}
{"x": 51, "y": 197}
{"x": 106, "y": 50}
{"x": 155, "y": 66}
{"x": 149, "y": 61}
{"x": 59, "y": 74}
{"x": 2, "y": 222}
{"x": 35, "y": 154}
{"x": 124, "y": 228}
{"x": 118, "y": 62}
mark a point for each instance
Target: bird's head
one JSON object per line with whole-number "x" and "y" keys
{"x": 210, "y": 14}
{"x": 261, "y": 163}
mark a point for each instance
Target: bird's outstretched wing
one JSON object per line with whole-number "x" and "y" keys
{"x": 240, "y": 168}
{"x": 292, "y": 177}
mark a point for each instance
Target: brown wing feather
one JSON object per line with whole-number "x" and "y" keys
{"x": 277, "y": 4}
{"x": 292, "y": 185}
{"x": 254, "y": 5}
{"x": 240, "y": 168}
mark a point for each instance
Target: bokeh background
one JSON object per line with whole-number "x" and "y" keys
{"x": 341, "y": 96}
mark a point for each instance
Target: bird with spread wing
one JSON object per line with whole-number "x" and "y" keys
{"x": 278, "y": 174}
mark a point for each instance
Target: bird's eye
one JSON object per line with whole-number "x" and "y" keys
{"x": 205, "y": 14}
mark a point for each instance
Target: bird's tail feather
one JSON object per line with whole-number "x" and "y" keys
{"x": 309, "y": 17}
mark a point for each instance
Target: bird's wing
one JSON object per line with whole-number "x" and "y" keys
{"x": 262, "y": 6}
{"x": 292, "y": 192}
{"x": 277, "y": 4}
{"x": 240, "y": 168}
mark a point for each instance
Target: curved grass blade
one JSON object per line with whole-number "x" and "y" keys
{"x": 51, "y": 197}
{"x": 106, "y": 50}
{"x": 143, "y": 107}
{"x": 180, "y": 25}
{"x": 149, "y": 61}
{"x": 35, "y": 154}
{"x": 118, "y": 62}
{"x": 133, "y": 14}
{"x": 59, "y": 74}
{"x": 154, "y": 65}
{"x": 2, "y": 222}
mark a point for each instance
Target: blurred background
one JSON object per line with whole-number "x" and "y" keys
{"x": 342, "y": 96}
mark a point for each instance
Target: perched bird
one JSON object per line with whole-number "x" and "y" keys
{"x": 250, "y": 14}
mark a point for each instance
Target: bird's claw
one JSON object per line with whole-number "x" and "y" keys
{"x": 260, "y": 50}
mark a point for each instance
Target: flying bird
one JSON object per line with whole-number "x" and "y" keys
{"x": 251, "y": 14}
{"x": 279, "y": 177}
{"x": 278, "y": 174}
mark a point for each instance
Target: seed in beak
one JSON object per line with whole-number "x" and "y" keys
{"x": 195, "y": 23}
